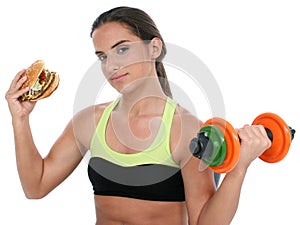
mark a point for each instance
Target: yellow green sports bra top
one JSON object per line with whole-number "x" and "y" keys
{"x": 157, "y": 153}
{"x": 151, "y": 174}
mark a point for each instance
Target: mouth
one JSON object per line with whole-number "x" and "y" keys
{"x": 119, "y": 77}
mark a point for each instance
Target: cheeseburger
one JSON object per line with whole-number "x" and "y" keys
{"x": 41, "y": 82}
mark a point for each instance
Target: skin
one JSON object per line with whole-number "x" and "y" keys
{"x": 140, "y": 91}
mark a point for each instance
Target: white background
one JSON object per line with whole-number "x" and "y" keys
{"x": 251, "y": 47}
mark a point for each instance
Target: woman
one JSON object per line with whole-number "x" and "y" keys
{"x": 141, "y": 168}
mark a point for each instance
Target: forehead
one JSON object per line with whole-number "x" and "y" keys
{"x": 106, "y": 35}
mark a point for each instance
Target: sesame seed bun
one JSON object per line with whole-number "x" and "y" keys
{"x": 41, "y": 81}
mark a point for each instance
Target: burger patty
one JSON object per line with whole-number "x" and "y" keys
{"x": 42, "y": 83}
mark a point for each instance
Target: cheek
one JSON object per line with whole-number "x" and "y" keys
{"x": 105, "y": 72}
{"x": 136, "y": 57}
{"x": 131, "y": 60}
{"x": 140, "y": 70}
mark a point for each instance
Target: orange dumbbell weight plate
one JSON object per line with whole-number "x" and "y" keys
{"x": 232, "y": 144}
{"x": 281, "y": 136}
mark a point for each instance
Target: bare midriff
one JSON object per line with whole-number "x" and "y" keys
{"x": 112, "y": 210}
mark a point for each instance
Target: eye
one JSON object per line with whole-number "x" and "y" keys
{"x": 122, "y": 50}
{"x": 102, "y": 57}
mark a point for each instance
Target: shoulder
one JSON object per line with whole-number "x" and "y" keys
{"x": 92, "y": 112}
{"x": 185, "y": 127}
{"x": 85, "y": 122}
{"x": 187, "y": 123}
{"x": 188, "y": 119}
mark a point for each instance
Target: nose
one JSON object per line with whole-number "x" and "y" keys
{"x": 111, "y": 64}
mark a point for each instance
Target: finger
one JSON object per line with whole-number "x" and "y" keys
{"x": 20, "y": 82}
{"x": 262, "y": 130}
{"x": 249, "y": 133}
{"x": 17, "y": 83}
{"x": 242, "y": 128}
{"x": 17, "y": 94}
{"x": 21, "y": 92}
{"x": 263, "y": 133}
{"x": 17, "y": 77}
{"x": 259, "y": 130}
{"x": 245, "y": 131}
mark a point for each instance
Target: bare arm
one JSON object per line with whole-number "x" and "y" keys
{"x": 206, "y": 205}
{"x": 39, "y": 175}
{"x": 222, "y": 206}
{"x": 254, "y": 142}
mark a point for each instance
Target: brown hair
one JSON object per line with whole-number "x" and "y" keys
{"x": 140, "y": 24}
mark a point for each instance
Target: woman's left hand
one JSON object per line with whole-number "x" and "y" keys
{"x": 254, "y": 141}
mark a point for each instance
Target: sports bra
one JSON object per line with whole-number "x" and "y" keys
{"x": 151, "y": 174}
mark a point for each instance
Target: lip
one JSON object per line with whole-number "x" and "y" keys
{"x": 119, "y": 77}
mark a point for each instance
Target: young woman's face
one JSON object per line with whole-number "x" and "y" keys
{"x": 124, "y": 56}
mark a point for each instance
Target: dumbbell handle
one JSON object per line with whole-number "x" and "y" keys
{"x": 200, "y": 145}
{"x": 270, "y": 135}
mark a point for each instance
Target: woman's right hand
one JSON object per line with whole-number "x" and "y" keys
{"x": 18, "y": 109}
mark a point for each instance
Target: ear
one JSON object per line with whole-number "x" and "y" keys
{"x": 156, "y": 47}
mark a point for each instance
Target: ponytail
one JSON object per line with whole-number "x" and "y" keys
{"x": 163, "y": 80}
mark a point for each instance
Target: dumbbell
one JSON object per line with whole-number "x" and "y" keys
{"x": 218, "y": 145}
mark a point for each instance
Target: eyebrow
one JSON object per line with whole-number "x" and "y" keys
{"x": 113, "y": 46}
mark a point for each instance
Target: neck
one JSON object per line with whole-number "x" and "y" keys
{"x": 141, "y": 99}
